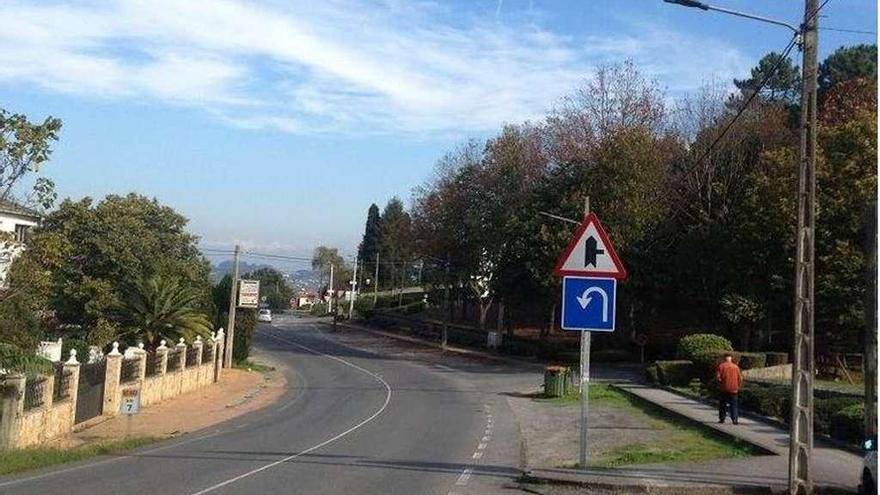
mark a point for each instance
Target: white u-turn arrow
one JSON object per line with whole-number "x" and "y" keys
{"x": 585, "y": 299}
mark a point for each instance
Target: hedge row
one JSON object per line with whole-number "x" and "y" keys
{"x": 704, "y": 365}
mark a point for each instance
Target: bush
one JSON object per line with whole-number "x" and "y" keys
{"x": 824, "y": 409}
{"x": 652, "y": 373}
{"x": 412, "y": 308}
{"x": 706, "y": 363}
{"x": 752, "y": 360}
{"x": 675, "y": 373}
{"x": 245, "y": 323}
{"x": 776, "y": 358}
{"x": 773, "y": 401}
{"x": 318, "y": 309}
{"x": 364, "y": 306}
{"x": 691, "y": 345}
{"x": 848, "y": 424}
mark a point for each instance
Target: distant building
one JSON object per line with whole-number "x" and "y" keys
{"x": 305, "y": 299}
{"x": 16, "y": 223}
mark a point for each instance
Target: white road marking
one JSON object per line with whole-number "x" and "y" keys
{"x": 325, "y": 442}
{"x": 485, "y": 438}
{"x": 465, "y": 476}
{"x": 108, "y": 461}
{"x": 477, "y": 455}
{"x": 481, "y": 446}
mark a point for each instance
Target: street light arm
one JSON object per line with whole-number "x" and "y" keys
{"x": 704, "y": 6}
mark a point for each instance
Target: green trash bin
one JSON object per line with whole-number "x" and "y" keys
{"x": 555, "y": 378}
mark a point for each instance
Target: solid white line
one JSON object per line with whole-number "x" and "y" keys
{"x": 325, "y": 442}
{"x": 119, "y": 457}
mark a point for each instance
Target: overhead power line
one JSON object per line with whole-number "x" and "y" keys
{"x": 842, "y": 30}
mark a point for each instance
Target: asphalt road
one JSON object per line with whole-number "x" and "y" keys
{"x": 351, "y": 422}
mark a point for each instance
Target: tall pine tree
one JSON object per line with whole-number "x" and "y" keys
{"x": 371, "y": 242}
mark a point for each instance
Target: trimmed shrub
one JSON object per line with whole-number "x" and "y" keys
{"x": 752, "y": 360}
{"x": 364, "y": 306}
{"x": 691, "y": 345}
{"x": 776, "y": 358}
{"x": 848, "y": 424}
{"x": 676, "y": 373}
{"x": 652, "y": 373}
{"x": 773, "y": 401}
{"x": 706, "y": 363}
{"x": 824, "y": 409}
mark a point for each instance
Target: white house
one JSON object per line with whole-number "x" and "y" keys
{"x": 16, "y": 222}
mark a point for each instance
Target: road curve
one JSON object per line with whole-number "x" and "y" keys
{"x": 351, "y": 422}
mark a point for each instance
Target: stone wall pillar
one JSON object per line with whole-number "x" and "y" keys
{"x": 112, "y": 390}
{"x": 11, "y": 409}
{"x": 72, "y": 366}
{"x": 198, "y": 346}
{"x": 181, "y": 348}
{"x": 142, "y": 366}
{"x": 162, "y": 352}
{"x": 218, "y": 354}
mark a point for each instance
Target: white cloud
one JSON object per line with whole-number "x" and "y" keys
{"x": 353, "y": 66}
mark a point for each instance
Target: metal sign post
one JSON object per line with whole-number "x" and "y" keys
{"x": 590, "y": 269}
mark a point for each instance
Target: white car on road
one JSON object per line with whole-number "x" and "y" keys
{"x": 265, "y": 316}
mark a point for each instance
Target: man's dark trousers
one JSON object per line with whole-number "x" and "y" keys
{"x": 730, "y": 401}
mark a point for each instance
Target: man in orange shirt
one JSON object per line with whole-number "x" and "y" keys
{"x": 729, "y": 379}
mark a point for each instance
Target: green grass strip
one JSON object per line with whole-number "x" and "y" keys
{"x": 15, "y": 461}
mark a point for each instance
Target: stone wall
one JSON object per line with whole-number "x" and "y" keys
{"x": 780, "y": 372}
{"x": 56, "y": 418}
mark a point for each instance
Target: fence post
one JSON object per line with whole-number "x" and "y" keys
{"x": 112, "y": 391}
{"x": 198, "y": 347}
{"x": 11, "y": 409}
{"x": 72, "y": 366}
{"x": 218, "y": 351}
{"x": 142, "y": 366}
{"x": 181, "y": 348}
{"x": 162, "y": 351}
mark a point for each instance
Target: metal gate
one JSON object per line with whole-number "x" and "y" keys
{"x": 90, "y": 393}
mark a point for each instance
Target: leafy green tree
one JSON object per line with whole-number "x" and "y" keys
{"x": 160, "y": 307}
{"x": 245, "y": 319}
{"x": 396, "y": 243}
{"x": 24, "y": 147}
{"x": 273, "y": 287}
{"x": 848, "y": 63}
{"x": 323, "y": 258}
{"x": 85, "y": 254}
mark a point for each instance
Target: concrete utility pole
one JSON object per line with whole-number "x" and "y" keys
{"x": 870, "y": 354}
{"x": 800, "y": 478}
{"x": 586, "y": 338}
{"x": 332, "y": 292}
{"x": 446, "y": 309}
{"x": 353, "y": 285}
{"x": 233, "y": 303}
{"x": 376, "y": 281}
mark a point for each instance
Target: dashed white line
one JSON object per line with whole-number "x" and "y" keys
{"x": 465, "y": 476}
{"x": 477, "y": 455}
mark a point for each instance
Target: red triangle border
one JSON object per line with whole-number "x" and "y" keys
{"x": 620, "y": 274}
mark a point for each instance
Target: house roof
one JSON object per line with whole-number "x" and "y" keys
{"x": 13, "y": 208}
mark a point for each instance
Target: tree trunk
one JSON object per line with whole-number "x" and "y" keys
{"x": 484, "y": 312}
{"x": 500, "y": 320}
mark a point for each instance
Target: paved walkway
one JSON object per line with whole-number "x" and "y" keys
{"x": 832, "y": 467}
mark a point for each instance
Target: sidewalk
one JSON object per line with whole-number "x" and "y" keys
{"x": 238, "y": 392}
{"x": 833, "y": 468}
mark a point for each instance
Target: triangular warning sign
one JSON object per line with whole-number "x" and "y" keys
{"x": 590, "y": 253}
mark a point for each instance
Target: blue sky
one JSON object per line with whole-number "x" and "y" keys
{"x": 275, "y": 124}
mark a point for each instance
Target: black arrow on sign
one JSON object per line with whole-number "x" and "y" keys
{"x": 590, "y": 251}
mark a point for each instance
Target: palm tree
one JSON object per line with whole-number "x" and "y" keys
{"x": 160, "y": 307}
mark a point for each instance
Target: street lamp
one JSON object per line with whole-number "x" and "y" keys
{"x": 704, "y": 6}
{"x": 803, "y": 362}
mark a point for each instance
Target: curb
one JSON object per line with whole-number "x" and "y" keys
{"x": 646, "y": 486}
{"x": 449, "y": 348}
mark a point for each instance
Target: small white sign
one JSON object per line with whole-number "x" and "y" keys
{"x": 131, "y": 401}
{"x": 248, "y": 293}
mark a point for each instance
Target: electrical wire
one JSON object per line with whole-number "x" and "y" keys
{"x": 776, "y": 66}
